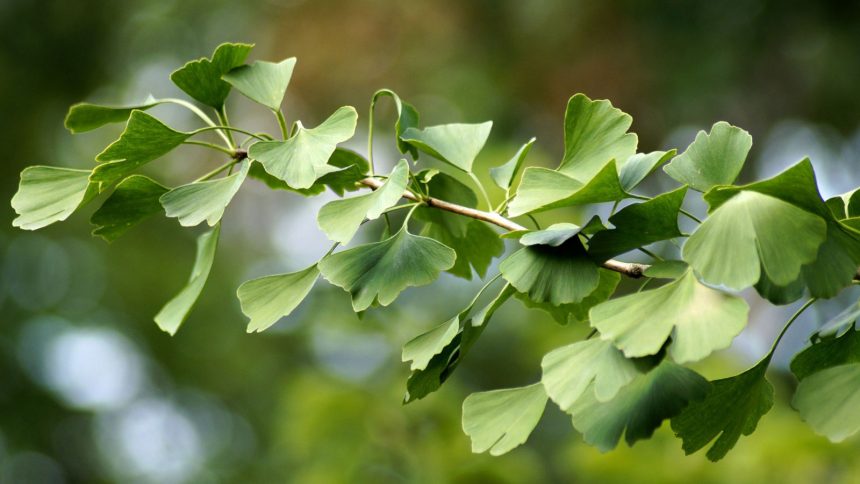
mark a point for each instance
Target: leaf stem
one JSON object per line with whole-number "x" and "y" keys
{"x": 690, "y": 216}
{"x": 370, "y": 135}
{"x": 200, "y": 114}
{"x": 216, "y": 171}
{"x": 482, "y": 190}
{"x": 788, "y": 324}
{"x": 222, "y": 118}
{"x": 649, "y": 253}
{"x": 534, "y": 220}
{"x": 226, "y": 128}
{"x": 282, "y": 122}
{"x": 210, "y": 145}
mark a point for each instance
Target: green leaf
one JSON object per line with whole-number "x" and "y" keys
{"x": 340, "y": 219}
{"x": 504, "y": 175}
{"x": 206, "y": 200}
{"x": 302, "y": 159}
{"x": 407, "y": 117}
{"x": 456, "y": 144}
{"x": 578, "y": 312}
{"x": 632, "y": 171}
{"x": 666, "y": 269}
{"x": 543, "y": 189}
{"x": 839, "y": 323}
{"x": 345, "y": 170}
{"x": 378, "y": 272}
{"x": 714, "y": 158}
{"x": 201, "y": 79}
{"x": 263, "y": 82}
{"x": 779, "y": 295}
{"x": 639, "y": 408}
{"x": 829, "y": 400}
{"x": 270, "y": 298}
{"x": 591, "y": 364}
{"x": 830, "y": 350}
{"x": 132, "y": 201}
{"x": 732, "y": 408}
{"x": 421, "y": 349}
{"x": 753, "y": 232}
{"x": 594, "y": 133}
{"x": 84, "y": 117}
{"x": 553, "y": 236}
{"x": 500, "y": 420}
{"x": 835, "y": 266}
{"x": 557, "y": 275}
{"x": 48, "y": 194}
{"x": 424, "y": 382}
{"x": 174, "y": 313}
{"x": 639, "y": 225}
{"x": 699, "y": 319}
{"x": 145, "y": 138}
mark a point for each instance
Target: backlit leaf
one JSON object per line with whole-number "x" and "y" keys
{"x": 500, "y": 420}
{"x": 543, "y": 189}
{"x": 267, "y": 299}
{"x": 714, "y": 158}
{"x": 48, "y": 194}
{"x": 699, "y": 319}
{"x": 132, "y": 201}
{"x": 504, "y": 175}
{"x": 263, "y": 82}
{"x": 632, "y": 171}
{"x": 456, "y": 144}
{"x": 829, "y": 400}
{"x": 174, "y": 313}
{"x": 421, "y": 349}
{"x": 302, "y": 159}
{"x": 376, "y": 273}
{"x": 206, "y": 200}
{"x": 578, "y": 312}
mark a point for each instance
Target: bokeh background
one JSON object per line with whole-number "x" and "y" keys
{"x": 92, "y": 391}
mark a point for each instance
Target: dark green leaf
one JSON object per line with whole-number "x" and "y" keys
{"x": 714, "y": 158}
{"x": 639, "y": 408}
{"x": 732, "y": 408}
{"x": 476, "y": 248}
{"x": 132, "y": 201}
{"x": 639, "y": 225}
{"x": 174, "y": 313}
{"x": 145, "y": 138}
{"x": 201, "y": 79}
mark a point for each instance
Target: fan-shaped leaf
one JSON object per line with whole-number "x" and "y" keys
{"x": 407, "y": 117}
{"x": 201, "y": 78}
{"x": 699, "y": 320}
{"x": 632, "y": 171}
{"x": 84, "y": 117}
{"x": 714, "y": 158}
{"x": 828, "y": 401}
{"x": 378, "y": 272}
{"x": 500, "y": 420}
{"x": 206, "y": 200}
{"x": 456, "y": 144}
{"x": 504, "y": 175}
{"x": 270, "y": 298}
{"x": 302, "y": 159}
{"x": 421, "y": 349}
{"x": 578, "y": 312}
{"x": 263, "y": 82}
{"x": 48, "y": 194}
{"x": 543, "y": 189}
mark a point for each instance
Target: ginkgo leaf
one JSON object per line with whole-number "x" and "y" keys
{"x": 340, "y": 219}
{"x": 500, "y": 420}
{"x": 639, "y": 408}
{"x": 345, "y": 170}
{"x": 543, "y": 189}
{"x": 407, "y": 117}
{"x": 145, "y": 138}
{"x": 632, "y": 171}
{"x": 590, "y": 364}
{"x": 838, "y": 257}
{"x": 830, "y": 349}
{"x": 206, "y": 200}
{"x": 48, "y": 194}
{"x": 421, "y": 349}
{"x": 174, "y": 313}
{"x": 699, "y": 319}
{"x": 751, "y": 232}
{"x": 378, "y": 272}
{"x": 578, "y": 312}
{"x": 553, "y": 236}
{"x": 268, "y": 299}
{"x": 201, "y": 78}
{"x": 666, "y": 269}
{"x": 638, "y": 225}
{"x": 263, "y": 82}
{"x": 732, "y": 408}
{"x": 443, "y": 363}
{"x": 504, "y": 175}
{"x": 713, "y": 158}
{"x": 594, "y": 133}
{"x": 302, "y": 159}
{"x": 839, "y": 323}
{"x": 457, "y": 144}
{"x": 557, "y": 275}
{"x": 828, "y": 401}
{"x": 132, "y": 201}
{"x": 84, "y": 117}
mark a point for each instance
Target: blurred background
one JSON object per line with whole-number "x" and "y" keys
{"x": 92, "y": 391}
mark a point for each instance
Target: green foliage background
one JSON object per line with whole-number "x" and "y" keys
{"x": 92, "y": 391}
